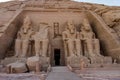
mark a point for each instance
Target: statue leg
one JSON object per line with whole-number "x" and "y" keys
{"x": 65, "y": 44}
{"x": 97, "y": 51}
{"x": 65, "y": 49}
{"x": 18, "y": 46}
{"x": 78, "y": 47}
{"x": 97, "y": 47}
{"x": 85, "y": 48}
{"x": 45, "y": 47}
{"x": 37, "y": 47}
{"x": 71, "y": 47}
{"x": 90, "y": 47}
{"x": 25, "y": 44}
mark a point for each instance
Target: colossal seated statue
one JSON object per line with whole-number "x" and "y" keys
{"x": 91, "y": 44}
{"x": 41, "y": 40}
{"x": 23, "y": 37}
{"x": 71, "y": 40}
{"x": 88, "y": 36}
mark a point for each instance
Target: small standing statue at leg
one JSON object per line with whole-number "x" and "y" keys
{"x": 82, "y": 64}
{"x": 71, "y": 40}
{"x": 23, "y": 37}
{"x": 41, "y": 40}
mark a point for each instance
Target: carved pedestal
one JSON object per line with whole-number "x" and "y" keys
{"x": 76, "y": 61}
{"x": 43, "y": 61}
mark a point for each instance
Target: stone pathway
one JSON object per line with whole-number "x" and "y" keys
{"x": 62, "y": 73}
{"x": 99, "y": 74}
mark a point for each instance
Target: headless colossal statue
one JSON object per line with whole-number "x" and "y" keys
{"x": 71, "y": 40}
{"x": 41, "y": 40}
{"x": 23, "y": 37}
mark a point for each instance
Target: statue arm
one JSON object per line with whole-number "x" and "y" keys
{"x": 78, "y": 35}
{"x": 82, "y": 36}
{"x": 93, "y": 35}
{"x": 32, "y": 35}
{"x": 19, "y": 35}
{"x": 48, "y": 33}
{"x": 64, "y": 36}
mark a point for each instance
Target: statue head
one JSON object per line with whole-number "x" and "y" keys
{"x": 71, "y": 27}
{"x": 86, "y": 26}
{"x": 26, "y": 24}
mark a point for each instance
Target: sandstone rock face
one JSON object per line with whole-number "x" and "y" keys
{"x": 112, "y": 19}
{"x": 9, "y": 60}
{"x": 57, "y": 29}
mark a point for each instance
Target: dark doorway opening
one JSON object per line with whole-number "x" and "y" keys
{"x": 57, "y": 57}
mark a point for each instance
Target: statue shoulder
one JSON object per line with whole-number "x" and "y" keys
{"x": 64, "y": 32}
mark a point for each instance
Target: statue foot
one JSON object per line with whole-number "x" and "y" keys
{"x": 15, "y": 56}
{"x": 37, "y": 55}
{"x": 23, "y": 56}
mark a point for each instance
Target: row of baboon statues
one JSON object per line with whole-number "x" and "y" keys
{"x": 76, "y": 43}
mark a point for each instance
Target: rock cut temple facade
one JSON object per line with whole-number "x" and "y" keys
{"x": 58, "y": 33}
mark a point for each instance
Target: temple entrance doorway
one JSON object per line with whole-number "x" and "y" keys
{"x": 57, "y": 57}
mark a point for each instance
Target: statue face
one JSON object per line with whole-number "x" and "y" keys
{"x": 87, "y": 27}
{"x": 25, "y": 29}
{"x": 71, "y": 27}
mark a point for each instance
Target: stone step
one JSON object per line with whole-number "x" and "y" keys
{"x": 60, "y": 69}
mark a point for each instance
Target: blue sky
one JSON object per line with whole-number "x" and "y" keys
{"x": 106, "y": 2}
